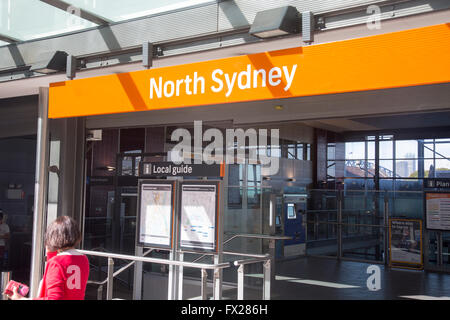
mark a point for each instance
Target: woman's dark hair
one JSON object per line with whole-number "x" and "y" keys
{"x": 63, "y": 233}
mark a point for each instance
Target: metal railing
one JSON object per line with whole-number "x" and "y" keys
{"x": 267, "y": 261}
{"x": 111, "y": 256}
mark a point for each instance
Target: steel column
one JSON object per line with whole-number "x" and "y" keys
{"x": 267, "y": 280}
{"x": 110, "y": 283}
{"x": 386, "y": 230}
{"x": 40, "y": 193}
{"x": 6, "y": 277}
{"x": 240, "y": 288}
{"x": 204, "y": 284}
{"x": 137, "y": 285}
{"x": 339, "y": 226}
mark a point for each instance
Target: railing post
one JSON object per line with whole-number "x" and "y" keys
{"x": 110, "y": 283}
{"x": 240, "y": 288}
{"x": 217, "y": 285}
{"x": 272, "y": 253}
{"x": 386, "y": 229}
{"x": 204, "y": 284}
{"x": 100, "y": 292}
{"x": 339, "y": 226}
{"x": 180, "y": 277}
{"x": 6, "y": 276}
{"x": 267, "y": 280}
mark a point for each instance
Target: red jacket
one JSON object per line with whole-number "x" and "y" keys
{"x": 65, "y": 277}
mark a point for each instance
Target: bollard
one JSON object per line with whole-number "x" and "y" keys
{"x": 6, "y": 277}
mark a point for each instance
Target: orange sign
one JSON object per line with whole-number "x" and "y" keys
{"x": 407, "y": 58}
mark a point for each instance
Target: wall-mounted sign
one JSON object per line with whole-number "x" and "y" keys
{"x": 436, "y": 184}
{"x": 156, "y": 213}
{"x": 198, "y": 222}
{"x": 362, "y": 64}
{"x": 437, "y": 211}
{"x": 170, "y": 169}
{"x": 405, "y": 241}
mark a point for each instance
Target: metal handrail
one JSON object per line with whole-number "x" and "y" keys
{"x": 157, "y": 260}
{"x": 111, "y": 256}
{"x": 119, "y": 271}
{"x": 250, "y": 261}
{"x": 251, "y": 236}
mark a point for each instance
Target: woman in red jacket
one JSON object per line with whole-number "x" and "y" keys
{"x": 67, "y": 270}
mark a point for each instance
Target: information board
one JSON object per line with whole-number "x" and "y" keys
{"x": 438, "y": 211}
{"x": 199, "y": 216}
{"x": 156, "y": 213}
{"x": 405, "y": 241}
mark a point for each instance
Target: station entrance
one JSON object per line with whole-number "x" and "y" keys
{"x": 370, "y": 180}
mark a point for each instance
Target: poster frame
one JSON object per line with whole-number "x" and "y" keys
{"x": 217, "y": 183}
{"x": 172, "y": 217}
{"x": 426, "y": 211}
{"x": 406, "y": 263}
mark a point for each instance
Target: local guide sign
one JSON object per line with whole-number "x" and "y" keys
{"x": 156, "y": 214}
{"x": 438, "y": 211}
{"x": 405, "y": 237}
{"x": 198, "y": 220}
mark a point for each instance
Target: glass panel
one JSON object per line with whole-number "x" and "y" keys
{"x": 428, "y": 165}
{"x": 428, "y": 150}
{"x": 442, "y": 169}
{"x": 363, "y": 242}
{"x": 405, "y": 203}
{"x": 406, "y": 168}
{"x": 253, "y": 198}
{"x": 331, "y": 151}
{"x": 371, "y": 150}
{"x": 432, "y": 247}
{"x": 386, "y": 184}
{"x": 331, "y": 169}
{"x": 442, "y": 150}
{"x": 291, "y": 151}
{"x": 386, "y": 150}
{"x": 25, "y": 20}
{"x": 253, "y": 175}
{"x": 359, "y": 168}
{"x": 355, "y": 150}
{"x": 405, "y": 149}
{"x": 386, "y": 169}
{"x": 116, "y": 10}
{"x": 300, "y": 151}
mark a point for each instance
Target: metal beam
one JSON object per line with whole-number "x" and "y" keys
{"x": 87, "y": 15}
{"x": 9, "y": 39}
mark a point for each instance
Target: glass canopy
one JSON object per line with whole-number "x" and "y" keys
{"x": 22, "y": 20}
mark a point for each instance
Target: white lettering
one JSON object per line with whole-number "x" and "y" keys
{"x": 230, "y": 83}
{"x": 274, "y": 73}
{"x": 217, "y": 80}
{"x": 157, "y": 88}
{"x": 263, "y": 74}
{"x": 196, "y": 81}
{"x": 168, "y": 93}
{"x": 247, "y": 75}
{"x": 289, "y": 77}
{"x": 74, "y": 281}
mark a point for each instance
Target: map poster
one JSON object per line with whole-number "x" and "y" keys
{"x": 198, "y": 220}
{"x": 438, "y": 211}
{"x": 155, "y": 214}
{"x": 405, "y": 239}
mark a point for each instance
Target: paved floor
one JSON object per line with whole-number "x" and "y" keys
{"x": 314, "y": 278}
{"x": 328, "y": 279}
